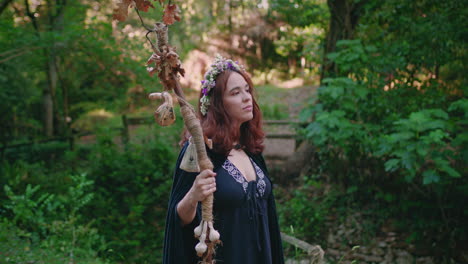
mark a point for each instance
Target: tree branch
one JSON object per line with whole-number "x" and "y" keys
{"x": 13, "y": 56}
{"x": 141, "y": 19}
{"x": 32, "y": 17}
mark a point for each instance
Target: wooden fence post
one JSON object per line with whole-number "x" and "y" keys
{"x": 125, "y": 132}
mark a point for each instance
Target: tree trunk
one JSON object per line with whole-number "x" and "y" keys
{"x": 48, "y": 95}
{"x": 344, "y": 16}
{"x": 56, "y": 14}
{"x": 47, "y": 115}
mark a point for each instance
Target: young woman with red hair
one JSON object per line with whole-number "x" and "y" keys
{"x": 244, "y": 207}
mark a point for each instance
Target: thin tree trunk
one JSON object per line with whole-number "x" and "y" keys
{"x": 48, "y": 95}
{"x": 344, "y": 16}
{"x": 47, "y": 115}
{"x": 56, "y": 14}
{"x": 57, "y": 26}
{"x": 47, "y": 91}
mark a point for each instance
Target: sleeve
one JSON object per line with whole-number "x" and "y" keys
{"x": 275, "y": 235}
{"x": 179, "y": 241}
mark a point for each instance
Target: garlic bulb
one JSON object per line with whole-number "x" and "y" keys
{"x": 201, "y": 248}
{"x": 198, "y": 230}
{"x": 214, "y": 235}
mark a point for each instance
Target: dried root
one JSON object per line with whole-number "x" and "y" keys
{"x": 164, "y": 115}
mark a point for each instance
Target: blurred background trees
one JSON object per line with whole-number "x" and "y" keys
{"x": 388, "y": 123}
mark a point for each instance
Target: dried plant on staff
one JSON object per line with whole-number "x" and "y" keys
{"x": 166, "y": 64}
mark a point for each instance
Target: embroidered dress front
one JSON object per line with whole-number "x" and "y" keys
{"x": 241, "y": 216}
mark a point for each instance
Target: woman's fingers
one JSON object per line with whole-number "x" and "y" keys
{"x": 204, "y": 185}
{"x": 205, "y": 182}
{"x": 210, "y": 188}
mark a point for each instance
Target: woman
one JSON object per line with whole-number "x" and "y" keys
{"x": 244, "y": 207}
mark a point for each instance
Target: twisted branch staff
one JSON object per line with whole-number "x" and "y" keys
{"x": 168, "y": 67}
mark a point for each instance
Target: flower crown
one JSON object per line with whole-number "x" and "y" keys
{"x": 219, "y": 65}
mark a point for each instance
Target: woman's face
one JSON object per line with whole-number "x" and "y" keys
{"x": 237, "y": 99}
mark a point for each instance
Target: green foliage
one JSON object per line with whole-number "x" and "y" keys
{"x": 274, "y": 111}
{"x": 302, "y": 215}
{"x": 300, "y": 13}
{"x": 300, "y": 33}
{"x": 419, "y": 147}
{"x": 121, "y": 190}
{"x": 392, "y": 126}
{"x": 49, "y": 226}
{"x": 131, "y": 191}
{"x": 49, "y": 152}
{"x": 304, "y": 212}
{"x": 17, "y": 247}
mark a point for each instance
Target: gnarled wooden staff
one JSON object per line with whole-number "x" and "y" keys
{"x": 168, "y": 67}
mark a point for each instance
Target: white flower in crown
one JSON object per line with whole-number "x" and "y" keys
{"x": 219, "y": 65}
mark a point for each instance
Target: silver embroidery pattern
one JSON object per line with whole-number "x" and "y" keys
{"x": 235, "y": 173}
{"x": 261, "y": 185}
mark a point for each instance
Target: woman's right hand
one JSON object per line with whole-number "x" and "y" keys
{"x": 203, "y": 186}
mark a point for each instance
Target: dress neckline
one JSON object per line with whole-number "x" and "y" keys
{"x": 239, "y": 171}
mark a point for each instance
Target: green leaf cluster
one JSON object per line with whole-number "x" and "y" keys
{"x": 48, "y": 227}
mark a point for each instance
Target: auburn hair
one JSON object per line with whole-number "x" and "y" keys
{"x": 218, "y": 126}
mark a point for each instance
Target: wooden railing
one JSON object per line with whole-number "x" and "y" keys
{"x": 315, "y": 253}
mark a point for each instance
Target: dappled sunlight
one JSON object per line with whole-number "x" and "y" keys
{"x": 293, "y": 83}
{"x": 91, "y": 119}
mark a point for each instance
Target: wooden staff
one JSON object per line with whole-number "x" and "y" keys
{"x": 168, "y": 67}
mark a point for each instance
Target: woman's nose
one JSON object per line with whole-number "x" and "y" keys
{"x": 247, "y": 97}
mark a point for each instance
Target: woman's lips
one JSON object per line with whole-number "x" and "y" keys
{"x": 248, "y": 108}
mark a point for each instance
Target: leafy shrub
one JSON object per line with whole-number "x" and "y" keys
{"x": 49, "y": 152}
{"x": 17, "y": 247}
{"x": 303, "y": 213}
{"x": 132, "y": 185}
{"x": 403, "y": 145}
{"x": 49, "y": 226}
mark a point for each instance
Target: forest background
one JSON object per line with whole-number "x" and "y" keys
{"x": 386, "y": 128}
